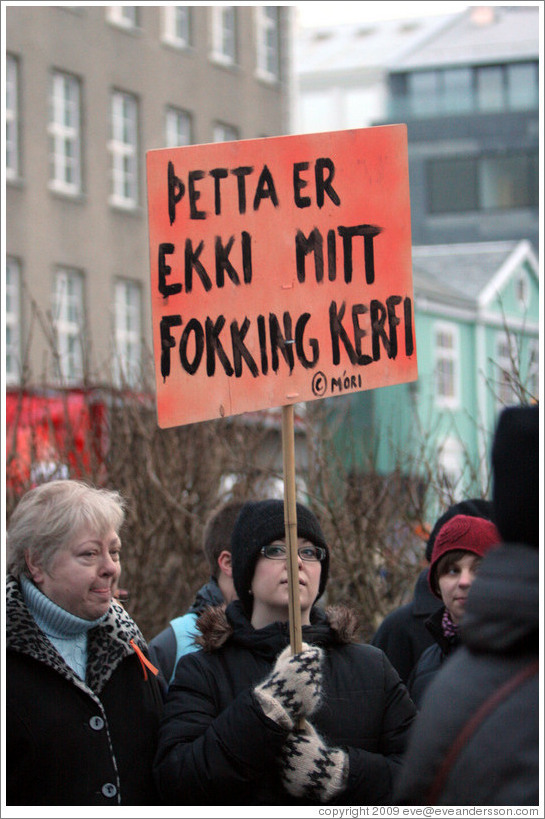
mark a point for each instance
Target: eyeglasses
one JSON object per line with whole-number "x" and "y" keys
{"x": 277, "y": 551}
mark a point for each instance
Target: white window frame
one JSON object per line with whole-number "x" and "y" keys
{"x": 123, "y": 16}
{"x": 68, "y": 323}
{"x": 177, "y": 26}
{"x": 12, "y": 117}
{"x": 224, "y": 132}
{"x": 268, "y": 42}
{"x": 178, "y": 127}
{"x": 128, "y": 333}
{"x": 64, "y": 131}
{"x": 224, "y": 34}
{"x": 450, "y": 461}
{"x": 123, "y": 147}
{"x": 505, "y": 355}
{"x": 450, "y": 357}
{"x": 13, "y": 320}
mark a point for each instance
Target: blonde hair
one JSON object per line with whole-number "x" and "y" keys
{"x": 50, "y": 515}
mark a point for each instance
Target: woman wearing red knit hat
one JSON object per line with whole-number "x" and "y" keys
{"x": 458, "y": 549}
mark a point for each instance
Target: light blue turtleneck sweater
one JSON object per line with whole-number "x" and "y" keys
{"x": 67, "y": 632}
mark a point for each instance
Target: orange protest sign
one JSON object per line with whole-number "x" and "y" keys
{"x": 280, "y": 271}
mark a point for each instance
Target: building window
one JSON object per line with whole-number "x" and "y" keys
{"x": 457, "y": 91}
{"x": 507, "y": 182}
{"x": 13, "y": 321}
{"x": 447, "y": 366}
{"x": 64, "y": 134}
{"x": 68, "y": 321}
{"x": 127, "y": 333}
{"x": 124, "y": 150}
{"x": 224, "y": 45}
{"x": 452, "y": 185}
{"x": 522, "y": 87}
{"x": 447, "y": 91}
{"x": 178, "y": 128}
{"x": 424, "y": 92}
{"x": 123, "y": 16}
{"x": 449, "y": 463}
{"x": 224, "y": 133}
{"x": 468, "y": 89}
{"x": 268, "y": 42}
{"x": 12, "y": 117}
{"x": 485, "y": 183}
{"x": 177, "y": 25}
{"x": 490, "y": 88}
{"x": 506, "y": 379}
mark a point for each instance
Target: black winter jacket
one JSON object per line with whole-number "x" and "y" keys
{"x": 216, "y": 745}
{"x": 499, "y": 763}
{"x": 70, "y": 742}
{"x": 432, "y": 658}
{"x": 403, "y": 635}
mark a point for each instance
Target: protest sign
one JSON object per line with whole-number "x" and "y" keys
{"x": 280, "y": 271}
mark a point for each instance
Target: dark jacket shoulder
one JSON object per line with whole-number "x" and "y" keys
{"x": 403, "y": 635}
{"x": 499, "y": 653}
{"x": 432, "y": 658}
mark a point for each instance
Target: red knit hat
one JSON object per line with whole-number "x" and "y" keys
{"x": 463, "y": 532}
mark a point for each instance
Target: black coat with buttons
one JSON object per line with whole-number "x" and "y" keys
{"x": 75, "y": 742}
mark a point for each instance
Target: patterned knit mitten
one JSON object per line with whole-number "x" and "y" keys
{"x": 310, "y": 769}
{"x": 293, "y": 689}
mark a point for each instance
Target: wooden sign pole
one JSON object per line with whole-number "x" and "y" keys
{"x": 290, "y": 520}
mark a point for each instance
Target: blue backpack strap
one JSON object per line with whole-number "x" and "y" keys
{"x": 185, "y": 631}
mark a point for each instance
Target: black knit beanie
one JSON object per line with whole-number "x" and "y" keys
{"x": 515, "y": 475}
{"x": 474, "y": 507}
{"x": 260, "y": 523}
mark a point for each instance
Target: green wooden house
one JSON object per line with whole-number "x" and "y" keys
{"x": 477, "y": 338}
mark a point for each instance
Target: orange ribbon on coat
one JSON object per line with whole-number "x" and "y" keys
{"x": 144, "y": 661}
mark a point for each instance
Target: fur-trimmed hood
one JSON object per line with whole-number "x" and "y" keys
{"x": 217, "y": 625}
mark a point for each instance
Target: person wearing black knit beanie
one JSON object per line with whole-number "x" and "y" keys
{"x": 249, "y": 723}
{"x": 260, "y": 523}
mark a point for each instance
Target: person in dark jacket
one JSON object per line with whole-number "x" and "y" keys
{"x": 476, "y": 739}
{"x": 83, "y": 704}
{"x": 457, "y": 552}
{"x": 403, "y": 634}
{"x": 178, "y": 638}
{"x": 232, "y": 733}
